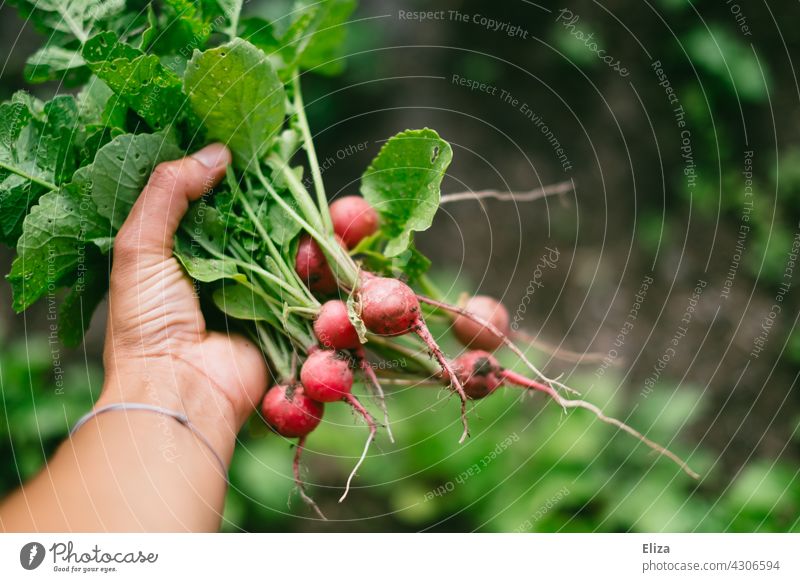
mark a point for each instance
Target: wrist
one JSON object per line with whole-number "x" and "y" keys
{"x": 171, "y": 384}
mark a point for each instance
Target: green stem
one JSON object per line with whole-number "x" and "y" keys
{"x": 288, "y": 273}
{"x": 301, "y": 195}
{"x": 34, "y": 179}
{"x": 241, "y": 261}
{"x": 319, "y": 185}
{"x": 343, "y": 265}
{"x": 278, "y": 359}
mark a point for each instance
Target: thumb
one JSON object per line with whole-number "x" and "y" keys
{"x": 155, "y": 216}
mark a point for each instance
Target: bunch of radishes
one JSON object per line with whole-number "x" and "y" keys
{"x": 390, "y": 308}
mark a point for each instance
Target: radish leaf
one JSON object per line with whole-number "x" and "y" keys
{"x": 402, "y": 183}
{"x": 237, "y": 94}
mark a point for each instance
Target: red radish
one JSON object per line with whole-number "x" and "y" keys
{"x": 326, "y": 376}
{"x": 390, "y": 307}
{"x": 490, "y": 327}
{"x": 312, "y": 267}
{"x": 290, "y": 412}
{"x": 335, "y": 331}
{"x": 333, "y": 328}
{"x": 482, "y": 374}
{"x": 353, "y": 219}
{"x": 476, "y": 336}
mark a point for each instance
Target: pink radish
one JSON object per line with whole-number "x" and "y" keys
{"x": 353, "y": 219}
{"x": 312, "y": 267}
{"x": 326, "y": 376}
{"x": 390, "y": 307}
{"x": 483, "y": 374}
{"x": 476, "y": 336}
{"x": 290, "y": 412}
{"x": 333, "y": 328}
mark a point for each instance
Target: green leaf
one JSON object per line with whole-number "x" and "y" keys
{"x": 204, "y": 269}
{"x": 206, "y": 226}
{"x": 53, "y": 63}
{"x": 75, "y": 312}
{"x": 411, "y": 263}
{"x": 185, "y": 26}
{"x": 260, "y": 33}
{"x": 320, "y": 47}
{"x": 77, "y": 18}
{"x": 37, "y": 153}
{"x": 140, "y": 80}
{"x": 238, "y": 96}
{"x": 281, "y": 227}
{"x": 150, "y": 33}
{"x": 730, "y": 59}
{"x": 231, "y": 10}
{"x": 53, "y": 243}
{"x": 239, "y": 302}
{"x": 403, "y": 184}
{"x": 121, "y": 169}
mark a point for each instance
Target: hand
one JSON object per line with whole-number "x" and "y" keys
{"x": 157, "y": 347}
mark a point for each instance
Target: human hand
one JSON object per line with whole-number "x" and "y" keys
{"x": 157, "y": 348}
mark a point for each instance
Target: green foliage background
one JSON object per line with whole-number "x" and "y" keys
{"x": 563, "y": 472}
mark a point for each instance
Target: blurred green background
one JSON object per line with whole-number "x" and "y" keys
{"x": 642, "y": 207}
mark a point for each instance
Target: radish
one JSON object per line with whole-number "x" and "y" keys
{"x": 335, "y": 331}
{"x": 290, "y": 412}
{"x": 494, "y": 330}
{"x": 476, "y": 336}
{"x": 326, "y": 377}
{"x": 333, "y": 328}
{"x": 481, "y": 374}
{"x": 312, "y": 267}
{"x": 473, "y": 334}
{"x": 353, "y": 219}
{"x": 390, "y": 307}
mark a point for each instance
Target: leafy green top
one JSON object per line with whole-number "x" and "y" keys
{"x": 402, "y": 183}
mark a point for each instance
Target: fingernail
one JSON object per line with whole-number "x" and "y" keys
{"x": 213, "y": 156}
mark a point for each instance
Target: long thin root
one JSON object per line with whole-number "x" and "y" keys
{"x": 520, "y": 380}
{"x": 357, "y": 406}
{"x": 425, "y": 335}
{"x": 376, "y": 387}
{"x": 562, "y": 354}
{"x": 299, "y": 482}
{"x": 536, "y": 194}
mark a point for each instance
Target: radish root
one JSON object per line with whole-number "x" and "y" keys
{"x": 299, "y": 482}
{"x": 377, "y": 388}
{"x": 531, "y": 195}
{"x": 520, "y": 380}
{"x": 425, "y": 335}
{"x": 353, "y": 401}
{"x": 562, "y": 354}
